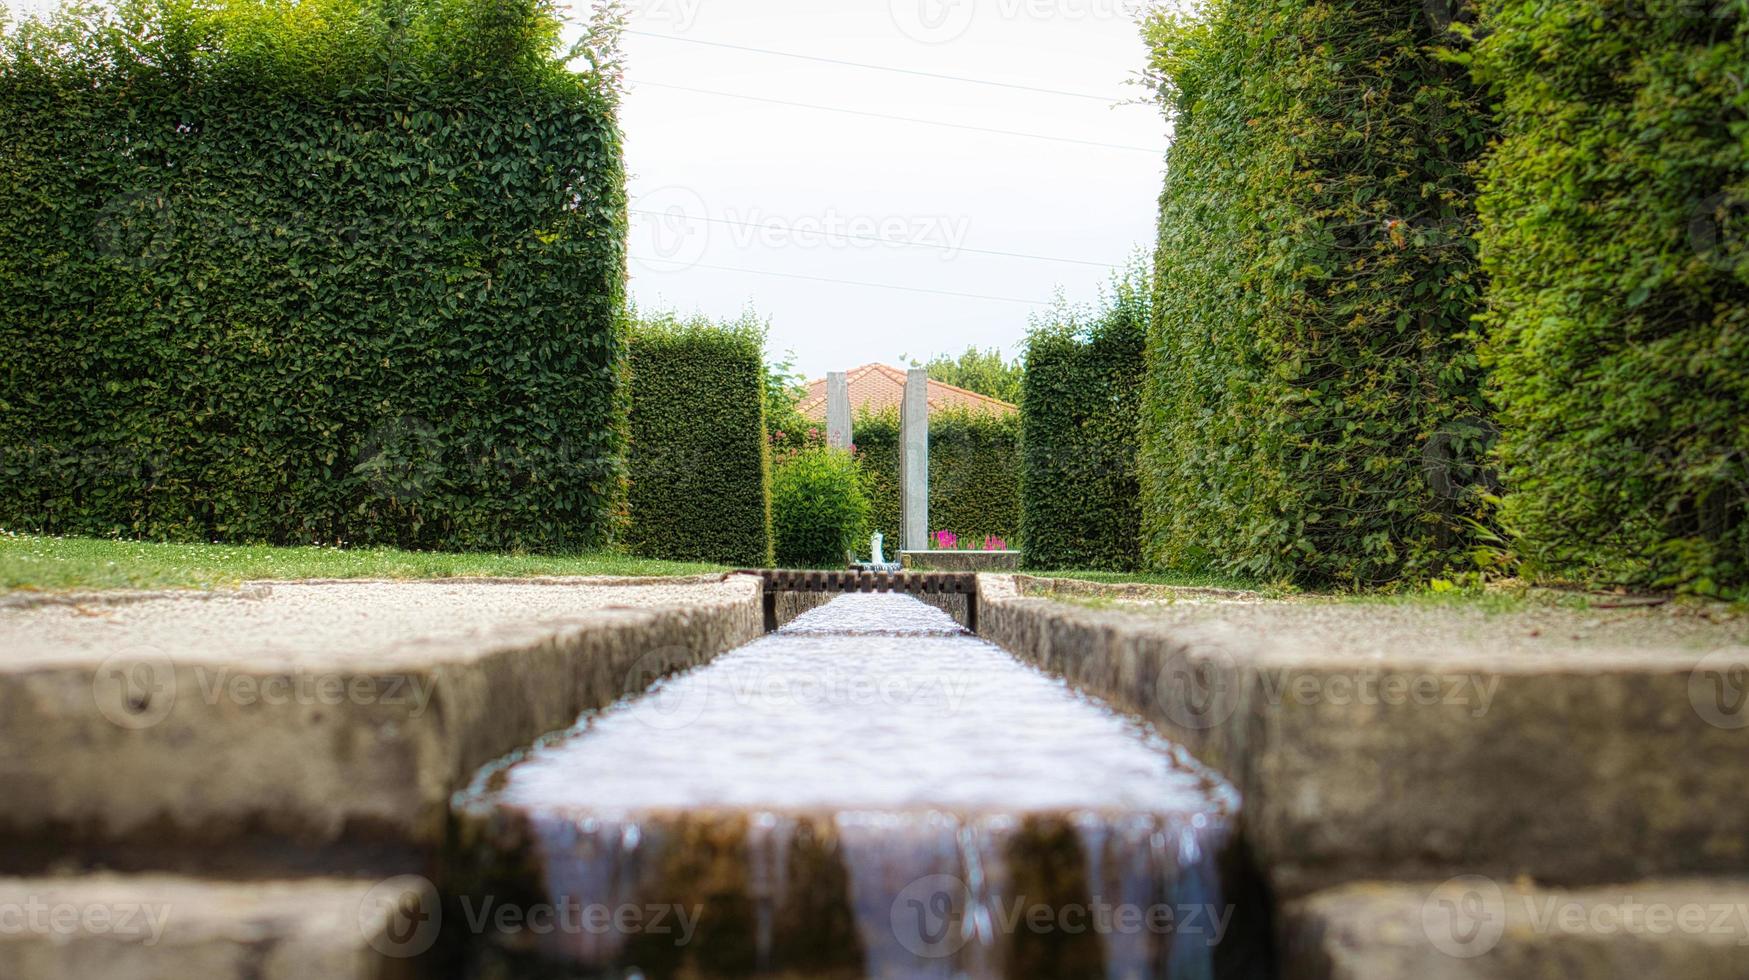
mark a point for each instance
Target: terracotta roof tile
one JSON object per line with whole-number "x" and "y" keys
{"x": 877, "y": 387}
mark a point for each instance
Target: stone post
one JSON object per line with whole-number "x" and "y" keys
{"x": 914, "y": 459}
{"x": 838, "y": 433}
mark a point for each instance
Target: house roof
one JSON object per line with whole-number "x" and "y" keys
{"x": 875, "y": 387}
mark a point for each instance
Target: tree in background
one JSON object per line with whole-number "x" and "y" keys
{"x": 983, "y": 371}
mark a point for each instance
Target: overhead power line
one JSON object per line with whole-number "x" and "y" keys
{"x": 870, "y": 238}
{"x": 887, "y": 68}
{"x": 907, "y": 119}
{"x": 842, "y": 282}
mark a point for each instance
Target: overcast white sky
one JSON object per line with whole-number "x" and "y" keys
{"x": 741, "y": 162}
{"x": 695, "y": 156}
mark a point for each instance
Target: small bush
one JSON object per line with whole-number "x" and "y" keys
{"x": 700, "y": 465}
{"x": 818, "y": 509}
{"x": 1080, "y": 499}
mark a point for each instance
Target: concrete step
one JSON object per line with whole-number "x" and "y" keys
{"x": 1419, "y": 742}
{"x": 1475, "y": 928}
{"x": 315, "y": 713}
{"x": 163, "y": 927}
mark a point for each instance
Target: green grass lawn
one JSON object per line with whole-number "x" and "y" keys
{"x": 1179, "y": 579}
{"x": 41, "y": 563}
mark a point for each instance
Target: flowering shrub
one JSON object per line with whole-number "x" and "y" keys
{"x": 949, "y": 541}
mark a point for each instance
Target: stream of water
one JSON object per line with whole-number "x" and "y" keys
{"x": 871, "y": 792}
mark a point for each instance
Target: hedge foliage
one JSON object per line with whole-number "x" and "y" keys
{"x": 974, "y": 474}
{"x": 1080, "y": 414}
{"x": 310, "y": 271}
{"x": 876, "y": 435}
{"x": 1615, "y": 213}
{"x": 1313, "y": 408}
{"x": 700, "y": 465}
{"x": 820, "y": 514}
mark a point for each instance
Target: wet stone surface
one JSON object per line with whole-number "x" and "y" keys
{"x": 868, "y": 792}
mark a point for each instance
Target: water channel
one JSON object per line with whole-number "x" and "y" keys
{"x": 870, "y": 791}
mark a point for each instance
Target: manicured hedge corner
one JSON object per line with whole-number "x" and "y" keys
{"x": 1080, "y": 500}
{"x": 1314, "y": 409}
{"x": 1615, "y": 217}
{"x": 338, "y": 270}
{"x": 700, "y": 462}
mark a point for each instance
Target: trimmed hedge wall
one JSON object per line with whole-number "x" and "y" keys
{"x": 876, "y": 435}
{"x": 700, "y": 464}
{"x": 1080, "y": 412}
{"x": 338, "y": 270}
{"x": 974, "y": 474}
{"x": 1615, "y": 217}
{"x": 1314, "y": 408}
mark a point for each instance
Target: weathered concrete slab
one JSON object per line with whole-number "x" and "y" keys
{"x": 162, "y": 927}
{"x": 961, "y": 561}
{"x": 1416, "y": 742}
{"x": 1479, "y": 929}
{"x": 317, "y": 713}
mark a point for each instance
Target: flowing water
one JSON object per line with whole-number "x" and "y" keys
{"x": 868, "y": 792}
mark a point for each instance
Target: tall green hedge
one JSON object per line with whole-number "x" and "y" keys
{"x": 1314, "y": 407}
{"x": 1080, "y": 493}
{"x": 876, "y": 435}
{"x": 700, "y": 464}
{"x": 974, "y": 474}
{"x": 1614, "y": 219}
{"x": 326, "y": 270}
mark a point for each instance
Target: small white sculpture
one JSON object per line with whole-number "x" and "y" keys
{"x": 874, "y": 549}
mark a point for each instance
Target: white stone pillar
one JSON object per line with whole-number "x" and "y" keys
{"x": 914, "y": 459}
{"x": 838, "y": 433}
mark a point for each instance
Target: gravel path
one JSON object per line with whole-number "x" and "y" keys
{"x": 306, "y": 624}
